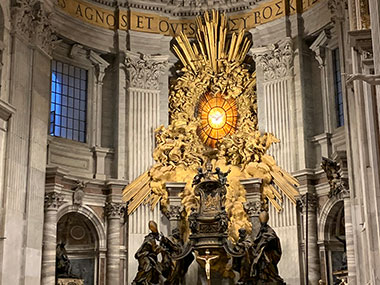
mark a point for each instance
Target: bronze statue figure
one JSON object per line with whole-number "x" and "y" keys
{"x": 222, "y": 176}
{"x": 197, "y": 178}
{"x": 149, "y": 269}
{"x": 63, "y": 265}
{"x": 243, "y": 263}
{"x": 174, "y": 270}
{"x": 266, "y": 254}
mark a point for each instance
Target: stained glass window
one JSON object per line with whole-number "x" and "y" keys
{"x": 68, "y": 110}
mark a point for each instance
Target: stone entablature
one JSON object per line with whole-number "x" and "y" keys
{"x": 164, "y": 18}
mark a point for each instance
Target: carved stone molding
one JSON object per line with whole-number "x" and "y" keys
{"x": 33, "y": 23}
{"x": 310, "y": 198}
{"x": 114, "y": 210}
{"x": 53, "y": 201}
{"x": 276, "y": 60}
{"x": 100, "y": 65}
{"x": 78, "y": 194}
{"x": 319, "y": 47}
{"x": 144, "y": 71}
{"x": 253, "y": 208}
{"x": 174, "y": 213}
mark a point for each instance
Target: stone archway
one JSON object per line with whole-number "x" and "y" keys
{"x": 332, "y": 237}
{"x": 81, "y": 240}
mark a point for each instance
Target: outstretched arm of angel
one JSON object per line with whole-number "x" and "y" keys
{"x": 372, "y": 79}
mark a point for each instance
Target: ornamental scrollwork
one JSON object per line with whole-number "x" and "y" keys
{"x": 32, "y": 22}
{"x": 144, "y": 71}
{"x": 277, "y": 61}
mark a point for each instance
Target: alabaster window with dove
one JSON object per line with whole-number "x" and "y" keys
{"x": 218, "y": 118}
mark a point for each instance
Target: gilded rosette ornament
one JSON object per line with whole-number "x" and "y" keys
{"x": 213, "y": 114}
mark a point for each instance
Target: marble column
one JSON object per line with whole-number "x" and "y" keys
{"x": 253, "y": 205}
{"x": 53, "y": 201}
{"x": 174, "y": 216}
{"x": 308, "y": 202}
{"x": 350, "y": 248}
{"x": 113, "y": 211}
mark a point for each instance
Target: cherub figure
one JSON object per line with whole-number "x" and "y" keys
{"x": 222, "y": 176}
{"x": 197, "y": 178}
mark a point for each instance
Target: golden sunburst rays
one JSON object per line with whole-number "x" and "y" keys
{"x": 214, "y": 100}
{"x": 212, "y": 45}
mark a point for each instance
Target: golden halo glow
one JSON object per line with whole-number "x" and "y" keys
{"x": 218, "y": 118}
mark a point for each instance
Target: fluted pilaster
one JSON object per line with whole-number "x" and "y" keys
{"x": 275, "y": 65}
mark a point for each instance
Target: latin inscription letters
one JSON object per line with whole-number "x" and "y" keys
{"x": 162, "y": 25}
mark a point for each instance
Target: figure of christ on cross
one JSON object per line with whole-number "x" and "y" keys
{"x": 207, "y": 259}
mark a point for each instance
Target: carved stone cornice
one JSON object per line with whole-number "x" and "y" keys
{"x": 276, "y": 60}
{"x": 6, "y": 110}
{"x": 253, "y": 208}
{"x": 187, "y": 7}
{"x": 174, "y": 213}
{"x": 53, "y": 201}
{"x": 144, "y": 71}
{"x": 114, "y": 210}
{"x": 319, "y": 47}
{"x": 100, "y": 65}
{"x": 310, "y": 199}
{"x": 31, "y": 22}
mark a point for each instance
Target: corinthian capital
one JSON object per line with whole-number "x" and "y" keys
{"x": 174, "y": 213}
{"x": 337, "y": 8}
{"x": 33, "y": 23}
{"x": 309, "y": 199}
{"x": 53, "y": 201}
{"x": 114, "y": 210}
{"x": 144, "y": 71}
{"x": 276, "y": 60}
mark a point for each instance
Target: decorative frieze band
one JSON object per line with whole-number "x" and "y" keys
{"x": 114, "y": 210}
{"x": 144, "y": 71}
{"x": 32, "y": 22}
{"x": 276, "y": 60}
{"x": 53, "y": 201}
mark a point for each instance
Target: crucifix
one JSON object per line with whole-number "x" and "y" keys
{"x": 207, "y": 259}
